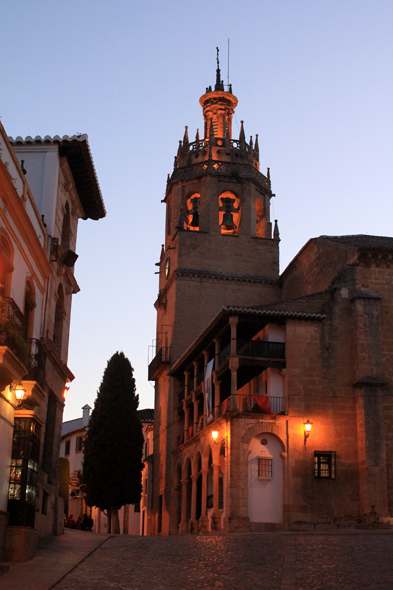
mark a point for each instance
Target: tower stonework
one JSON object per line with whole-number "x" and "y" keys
{"x": 220, "y": 249}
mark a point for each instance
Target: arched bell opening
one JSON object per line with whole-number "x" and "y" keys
{"x": 192, "y": 213}
{"x": 229, "y": 213}
{"x": 259, "y": 218}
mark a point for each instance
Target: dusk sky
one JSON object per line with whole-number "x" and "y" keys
{"x": 314, "y": 80}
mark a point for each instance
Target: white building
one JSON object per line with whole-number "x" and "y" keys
{"x": 46, "y": 186}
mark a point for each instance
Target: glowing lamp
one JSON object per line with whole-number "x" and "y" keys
{"x": 19, "y": 392}
{"x": 214, "y": 434}
{"x": 307, "y": 430}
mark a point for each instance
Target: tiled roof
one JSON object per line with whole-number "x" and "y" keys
{"x": 309, "y": 305}
{"x": 77, "y": 151}
{"x": 146, "y": 415}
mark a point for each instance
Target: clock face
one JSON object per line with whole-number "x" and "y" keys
{"x": 167, "y": 266}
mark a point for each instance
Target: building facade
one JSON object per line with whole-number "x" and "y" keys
{"x": 38, "y": 224}
{"x": 273, "y": 393}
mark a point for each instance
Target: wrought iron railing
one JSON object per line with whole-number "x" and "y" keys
{"x": 162, "y": 357}
{"x": 11, "y": 311}
{"x": 261, "y": 349}
{"x": 13, "y": 329}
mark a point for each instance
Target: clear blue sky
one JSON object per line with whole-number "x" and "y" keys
{"x": 314, "y": 79}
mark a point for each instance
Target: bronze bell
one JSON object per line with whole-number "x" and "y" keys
{"x": 195, "y": 219}
{"x": 227, "y": 221}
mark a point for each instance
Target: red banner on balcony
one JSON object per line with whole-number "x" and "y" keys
{"x": 189, "y": 433}
{"x": 263, "y": 403}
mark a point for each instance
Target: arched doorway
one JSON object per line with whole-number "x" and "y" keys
{"x": 265, "y": 479}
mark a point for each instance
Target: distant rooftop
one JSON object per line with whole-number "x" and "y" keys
{"x": 146, "y": 415}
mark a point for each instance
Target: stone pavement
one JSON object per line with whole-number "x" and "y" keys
{"x": 55, "y": 557}
{"x": 352, "y": 560}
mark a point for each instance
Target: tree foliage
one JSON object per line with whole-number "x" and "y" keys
{"x": 112, "y": 462}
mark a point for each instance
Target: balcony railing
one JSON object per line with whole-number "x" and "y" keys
{"x": 265, "y": 404}
{"x": 261, "y": 349}
{"x": 13, "y": 329}
{"x": 161, "y": 358}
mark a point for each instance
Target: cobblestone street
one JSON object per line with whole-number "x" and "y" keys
{"x": 285, "y": 561}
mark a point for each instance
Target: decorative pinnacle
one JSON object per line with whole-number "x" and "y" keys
{"x": 219, "y": 84}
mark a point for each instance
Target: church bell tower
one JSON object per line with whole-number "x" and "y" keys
{"x": 220, "y": 249}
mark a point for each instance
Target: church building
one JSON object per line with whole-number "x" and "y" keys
{"x": 273, "y": 393}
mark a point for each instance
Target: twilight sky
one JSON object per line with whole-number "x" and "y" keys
{"x": 314, "y": 79}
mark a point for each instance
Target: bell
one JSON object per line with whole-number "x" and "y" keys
{"x": 227, "y": 221}
{"x": 195, "y": 219}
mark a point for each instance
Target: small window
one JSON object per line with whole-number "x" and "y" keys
{"x": 67, "y": 447}
{"x": 146, "y": 448}
{"x": 137, "y": 507}
{"x": 265, "y": 468}
{"x": 79, "y": 444}
{"x": 325, "y": 464}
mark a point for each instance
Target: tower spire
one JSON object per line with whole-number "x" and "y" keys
{"x": 219, "y": 83}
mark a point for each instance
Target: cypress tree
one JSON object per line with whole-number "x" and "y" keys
{"x": 112, "y": 462}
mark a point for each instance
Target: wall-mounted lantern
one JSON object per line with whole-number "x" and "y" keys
{"x": 19, "y": 392}
{"x": 307, "y": 430}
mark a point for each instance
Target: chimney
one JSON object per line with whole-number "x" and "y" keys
{"x": 86, "y": 415}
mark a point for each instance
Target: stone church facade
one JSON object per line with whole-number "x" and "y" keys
{"x": 273, "y": 393}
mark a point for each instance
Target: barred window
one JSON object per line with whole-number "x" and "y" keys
{"x": 325, "y": 464}
{"x": 265, "y": 468}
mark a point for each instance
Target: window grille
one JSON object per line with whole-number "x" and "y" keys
{"x": 325, "y": 464}
{"x": 265, "y": 467}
